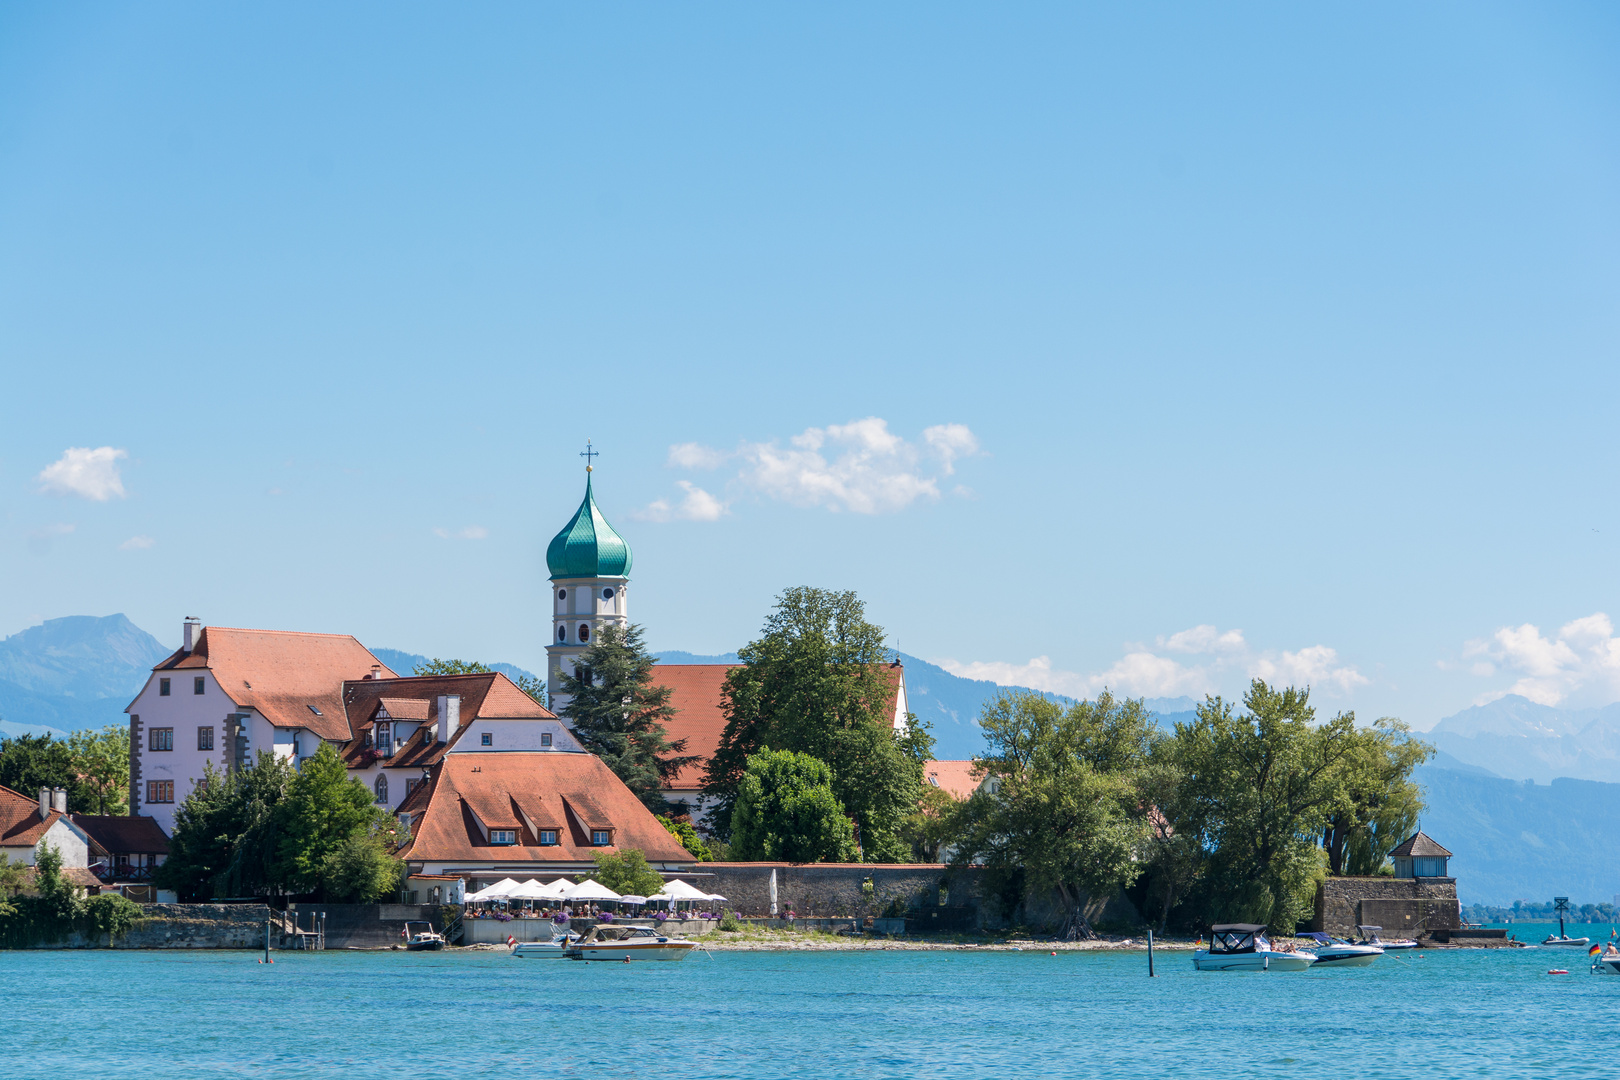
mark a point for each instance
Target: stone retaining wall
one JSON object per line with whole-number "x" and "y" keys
{"x": 1404, "y": 907}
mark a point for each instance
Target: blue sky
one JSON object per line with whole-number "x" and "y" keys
{"x": 1149, "y": 346}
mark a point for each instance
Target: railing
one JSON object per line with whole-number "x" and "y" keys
{"x": 453, "y": 930}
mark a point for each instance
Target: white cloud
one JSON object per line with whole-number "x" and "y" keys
{"x": 92, "y": 474}
{"x": 1314, "y": 667}
{"x": 698, "y": 505}
{"x": 470, "y": 532}
{"x": 861, "y": 466}
{"x": 1205, "y": 639}
{"x": 1227, "y": 664}
{"x": 136, "y": 543}
{"x": 691, "y": 455}
{"x": 1582, "y": 661}
{"x": 949, "y": 442}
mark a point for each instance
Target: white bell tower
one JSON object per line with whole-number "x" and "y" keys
{"x": 590, "y": 576}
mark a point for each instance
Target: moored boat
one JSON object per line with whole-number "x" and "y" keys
{"x": 629, "y": 943}
{"x": 425, "y": 940}
{"x": 1605, "y": 959}
{"x": 1561, "y": 905}
{"x": 555, "y": 949}
{"x": 1245, "y": 947}
{"x": 1335, "y": 952}
{"x": 1369, "y": 936}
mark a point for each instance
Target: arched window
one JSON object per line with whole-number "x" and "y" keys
{"x": 584, "y": 632}
{"x": 381, "y": 787}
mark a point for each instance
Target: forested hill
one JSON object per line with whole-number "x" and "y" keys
{"x": 1515, "y": 840}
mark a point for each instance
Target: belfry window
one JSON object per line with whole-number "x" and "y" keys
{"x": 562, "y": 633}
{"x": 607, "y": 594}
{"x": 562, "y": 594}
{"x": 584, "y": 632}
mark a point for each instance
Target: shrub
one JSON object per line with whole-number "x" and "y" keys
{"x": 729, "y": 923}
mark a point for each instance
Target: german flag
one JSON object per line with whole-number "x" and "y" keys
{"x": 1594, "y": 950}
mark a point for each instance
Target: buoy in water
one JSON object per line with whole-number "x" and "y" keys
{"x": 1054, "y": 954}
{"x": 1557, "y": 971}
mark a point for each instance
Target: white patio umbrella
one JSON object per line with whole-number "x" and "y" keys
{"x": 530, "y": 890}
{"x": 590, "y": 890}
{"x": 680, "y": 890}
{"x": 557, "y": 889}
{"x": 628, "y": 899}
{"x": 498, "y": 891}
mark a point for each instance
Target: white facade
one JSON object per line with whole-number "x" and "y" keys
{"x": 67, "y": 838}
{"x": 580, "y": 607}
{"x": 199, "y": 728}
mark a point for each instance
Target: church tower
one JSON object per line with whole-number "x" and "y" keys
{"x": 590, "y": 572}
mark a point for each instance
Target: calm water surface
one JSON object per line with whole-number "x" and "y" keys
{"x": 1470, "y": 1013}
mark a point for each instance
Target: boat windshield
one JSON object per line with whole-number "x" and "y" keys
{"x": 1237, "y": 938}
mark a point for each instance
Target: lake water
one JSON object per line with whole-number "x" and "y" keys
{"x": 1485, "y": 1013}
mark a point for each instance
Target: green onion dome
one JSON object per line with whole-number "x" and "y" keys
{"x": 587, "y": 545}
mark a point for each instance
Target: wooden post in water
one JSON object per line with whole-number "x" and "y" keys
{"x": 1150, "y": 954}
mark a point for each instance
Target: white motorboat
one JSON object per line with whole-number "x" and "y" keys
{"x": 1561, "y": 905}
{"x": 555, "y": 949}
{"x": 1335, "y": 952}
{"x": 1245, "y": 947}
{"x": 1607, "y": 961}
{"x": 629, "y": 943}
{"x": 424, "y": 940}
{"x": 1369, "y": 936}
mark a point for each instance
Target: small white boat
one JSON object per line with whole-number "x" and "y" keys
{"x": 1369, "y": 936}
{"x": 1607, "y": 962}
{"x": 1334, "y": 952}
{"x": 629, "y": 943}
{"x": 555, "y": 949}
{"x": 424, "y": 940}
{"x": 1561, "y": 905}
{"x": 1245, "y": 947}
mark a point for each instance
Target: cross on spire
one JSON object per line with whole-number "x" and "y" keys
{"x": 589, "y": 454}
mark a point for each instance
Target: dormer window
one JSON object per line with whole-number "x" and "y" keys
{"x": 548, "y": 837}
{"x": 545, "y": 738}
{"x": 503, "y": 836}
{"x": 486, "y": 739}
{"x": 601, "y": 837}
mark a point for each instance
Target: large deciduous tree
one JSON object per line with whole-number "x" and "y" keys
{"x": 816, "y": 682}
{"x": 1378, "y": 804}
{"x": 786, "y": 810}
{"x": 1259, "y": 787}
{"x": 1062, "y": 808}
{"x": 101, "y": 762}
{"x": 618, "y": 712}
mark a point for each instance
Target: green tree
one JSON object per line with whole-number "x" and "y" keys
{"x": 1378, "y": 805}
{"x": 323, "y": 809}
{"x": 225, "y": 834}
{"x": 437, "y": 666}
{"x": 626, "y": 872}
{"x": 100, "y": 760}
{"x": 689, "y": 839}
{"x": 534, "y": 687}
{"x": 816, "y": 682}
{"x": 30, "y": 762}
{"x": 361, "y": 870}
{"x": 1259, "y": 787}
{"x": 618, "y": 713}
{"x": 786, "y": 810}
{"x": 933, "y": 825}
{"x": 1062, "y": 810}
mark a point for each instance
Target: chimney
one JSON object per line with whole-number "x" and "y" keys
{"x": 59, "y": 800}
{"x": 44, "y": 802}
{"x": 449, "y": 715}
{"x": 189, "y": 632}
{"x": 376, "y": 672}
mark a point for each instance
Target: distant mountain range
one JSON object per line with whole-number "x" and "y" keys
{"x": 72, "y": 673}
{"x": 1513, "y": 840}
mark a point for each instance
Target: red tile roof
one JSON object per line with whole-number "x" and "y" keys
{"x": 956, "y": 778}
{"x": 20, "y": 821}
{"x": 491, "y": 782}
{"x": 700, "y": 719}
{"x": 294, "y": 679}
{"x": 487, "y": 695}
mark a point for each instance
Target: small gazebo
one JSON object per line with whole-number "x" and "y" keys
{"x": 1420, "y": 857}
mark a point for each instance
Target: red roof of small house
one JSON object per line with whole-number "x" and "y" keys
{"x": 126, "y": 835}
{"x": 959, "y": 779}
{"x": 499, "y": 785}
{"x": 1421, "y": 846}
{"x": 294, "y": 679}
{"x": 700, "y": 717}
{"x": 21, "y": 824}
{"x": 484, "y": 695}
